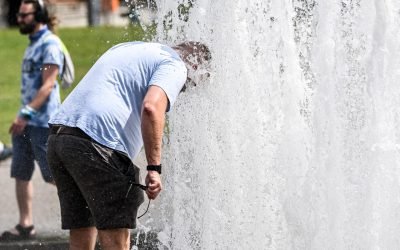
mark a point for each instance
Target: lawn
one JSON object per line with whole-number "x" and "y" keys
{"x": 84, "y": 44}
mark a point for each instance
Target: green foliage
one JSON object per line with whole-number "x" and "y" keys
{"x": 85, "y": 45}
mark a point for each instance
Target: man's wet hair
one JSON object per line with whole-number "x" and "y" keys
{"x": 196, "y": 50}
{"x": 195, "y": 55}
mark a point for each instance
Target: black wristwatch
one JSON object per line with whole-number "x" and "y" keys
{"x": 154, "y": 168}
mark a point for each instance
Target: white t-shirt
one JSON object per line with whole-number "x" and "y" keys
{"x": 107, "y": 102}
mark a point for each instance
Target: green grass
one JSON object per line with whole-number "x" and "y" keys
{"x": 85, "y": 45}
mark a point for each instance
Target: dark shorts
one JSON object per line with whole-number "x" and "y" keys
{"x": 31, "y": 145}
{"x": 93, "y": 182}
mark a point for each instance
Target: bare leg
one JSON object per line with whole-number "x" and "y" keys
{"x": 82, "y": 238}
{"x": 114, "y": 239}
{"x": 24, "y": 191}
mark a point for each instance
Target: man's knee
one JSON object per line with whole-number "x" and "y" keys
{"x": 82, "y": 238}
{"x": 114, "y": 238}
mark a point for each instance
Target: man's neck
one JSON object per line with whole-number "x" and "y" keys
{"x": 38, "y": 27}
{"x": 39, "y": 30}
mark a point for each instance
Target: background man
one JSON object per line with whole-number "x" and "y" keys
{"x": 119, "y": 105}
{"x": 42, "y": 62}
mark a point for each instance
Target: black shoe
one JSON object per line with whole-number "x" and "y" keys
{"x": 7, "y": 152}
{"x": 24, "y": 233}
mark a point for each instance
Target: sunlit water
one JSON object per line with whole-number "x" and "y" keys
{"x": 294, "y": 142}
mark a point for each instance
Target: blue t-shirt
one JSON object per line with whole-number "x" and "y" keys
{"x": 107, "y": 102}
{"x": 43, "y": 49}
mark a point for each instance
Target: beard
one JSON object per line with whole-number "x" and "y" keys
{"x": 27, "y": 28}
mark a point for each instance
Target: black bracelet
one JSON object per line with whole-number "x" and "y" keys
{"x": 154, "y": 168}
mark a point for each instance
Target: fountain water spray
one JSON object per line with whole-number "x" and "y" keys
{"x": 294, "y": 141}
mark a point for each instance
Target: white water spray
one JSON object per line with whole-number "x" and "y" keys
{"x": 294, "y": 143}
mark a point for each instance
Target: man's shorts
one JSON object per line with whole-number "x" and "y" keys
{"x": 31, "y": 145}
{"x": 94, "y": 182}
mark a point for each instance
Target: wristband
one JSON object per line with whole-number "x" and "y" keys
{"x": 27, "y": 112}
{"x": 154, "y": 168}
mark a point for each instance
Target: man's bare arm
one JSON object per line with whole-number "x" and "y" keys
{"x": 153, "y": 119}
{"x": 49, "y": 76}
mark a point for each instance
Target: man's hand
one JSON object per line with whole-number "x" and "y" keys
{"x": 18, "y": 126}
{"x": 153, "y": 181}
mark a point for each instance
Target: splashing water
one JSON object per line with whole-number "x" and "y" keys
{"x": 294, "y": 142}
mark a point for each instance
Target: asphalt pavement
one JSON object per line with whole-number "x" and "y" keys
{"x": 46, "y": 208}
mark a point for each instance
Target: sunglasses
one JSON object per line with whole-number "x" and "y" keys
{"x": 23, "y": 15}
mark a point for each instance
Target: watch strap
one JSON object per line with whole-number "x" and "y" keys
{"x": 154, "y": 168}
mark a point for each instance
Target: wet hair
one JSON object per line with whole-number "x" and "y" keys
{"x": 196, "y": 50}
{"x": 194, "y": 54}
{"x": 42, "y": 14}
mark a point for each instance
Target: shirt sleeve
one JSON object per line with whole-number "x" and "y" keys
{"x": 53, "y": 54}
{"x": 170, "y": 76}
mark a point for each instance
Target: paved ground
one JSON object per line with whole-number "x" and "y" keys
{"x": 46, "y": 209}
{"x": 47, "y": 215}
{"x": 45, "y": 203}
